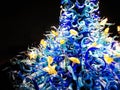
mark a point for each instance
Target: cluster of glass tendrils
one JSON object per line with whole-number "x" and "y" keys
{"x": 78, "y": 54}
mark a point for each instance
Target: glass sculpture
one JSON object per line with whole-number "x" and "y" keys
{"x": 78, "y": 55}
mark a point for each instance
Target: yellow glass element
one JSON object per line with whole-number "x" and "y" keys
{"x": 104, "y": 21}
{"x": 50, "y": 60}
{"x": 32, "y": 55}
{"x": 50, "y": 69}
{"x": 94, "y": 44}
{"x": 54, "y": 33}
{"x": 118, "y": 28}
{"x": 74, "y": 59}
{"x": 73, "y": 32}
{"x": 108, "y": 59}
{"x": 43, "y": 43}
{"x": 62, "y": 41}
{"x": 106, "y": 30}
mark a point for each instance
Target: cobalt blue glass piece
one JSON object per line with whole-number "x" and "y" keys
{"x": 95, "y": 63}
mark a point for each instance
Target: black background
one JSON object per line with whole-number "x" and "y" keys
{"x": 23, "y": 23}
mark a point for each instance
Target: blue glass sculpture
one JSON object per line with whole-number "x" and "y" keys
{"x": 77, "y": 55}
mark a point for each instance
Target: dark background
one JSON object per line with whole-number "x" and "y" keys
{"x": 23, "y": 23}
